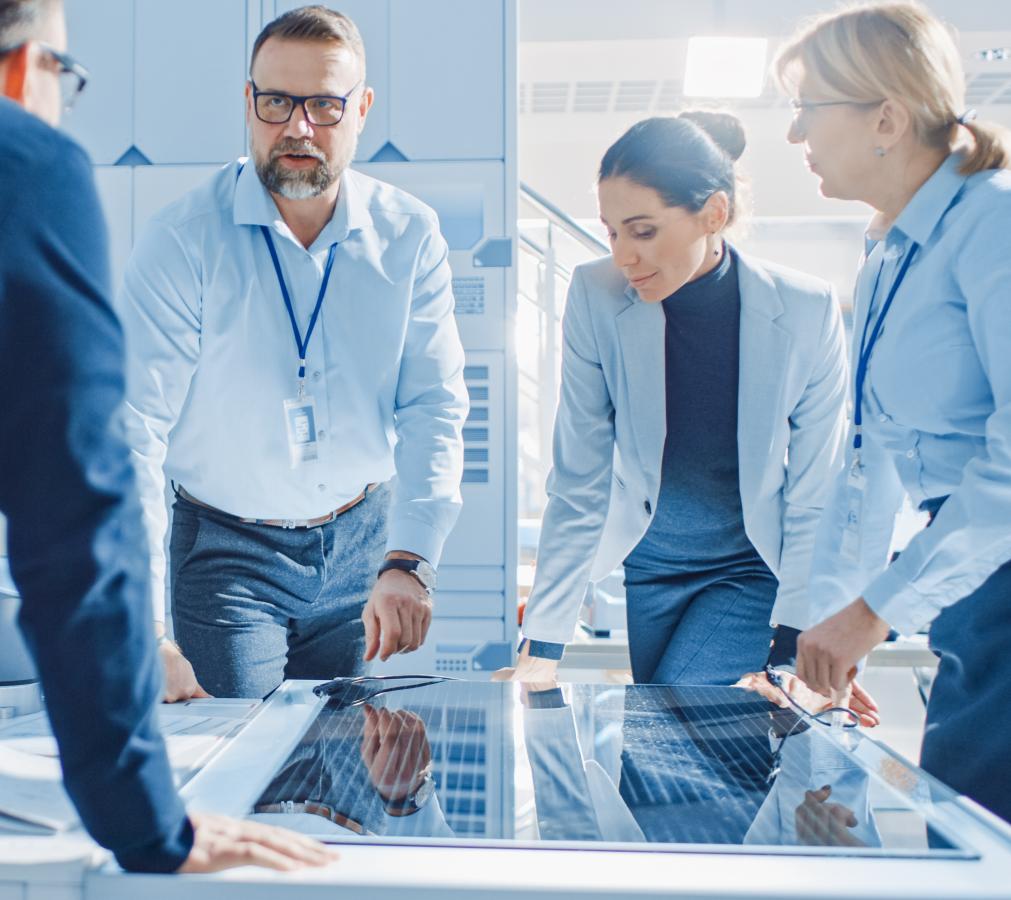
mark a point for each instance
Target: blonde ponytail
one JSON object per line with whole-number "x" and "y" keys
{"x": 990, "y": 148}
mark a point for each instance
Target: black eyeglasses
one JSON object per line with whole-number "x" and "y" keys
{"x": 72, "y": 75}
{"x": 276, "y": 107}
{"x": 819, "y": 717}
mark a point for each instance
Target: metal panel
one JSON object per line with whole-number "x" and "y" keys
{"x": 189, "y": 105}
{"x": 464, "y": 648}
{"x": 102, "y": 119}
{"x": 155, "y": 187}
{"x": 447, "y": 79}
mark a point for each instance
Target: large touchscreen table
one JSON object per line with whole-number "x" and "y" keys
{"x": 648, "y": 768}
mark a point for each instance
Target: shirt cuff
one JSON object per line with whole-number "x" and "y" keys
{"x": 783, "y": 651}
{"x": 897, "y": 602}
{"x": 542, "y": 649}
{"x": 163, "y": 856}
{"x": 415, "y": 536}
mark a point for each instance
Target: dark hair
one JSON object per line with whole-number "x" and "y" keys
{"x": 20, "y": 19}
{"x": 312, "y": 23}
{"x": 684, "y": 158}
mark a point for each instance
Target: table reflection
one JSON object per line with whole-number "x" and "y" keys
{"x": 588, "y": 763}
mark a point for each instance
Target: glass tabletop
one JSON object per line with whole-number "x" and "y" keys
{"x": 632, "y": 768}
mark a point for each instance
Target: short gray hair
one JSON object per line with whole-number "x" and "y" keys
{"x": 312, "y": 23}
{"x": 20, "y": 19}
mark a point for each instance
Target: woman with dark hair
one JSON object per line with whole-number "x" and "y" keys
{"x": 701, "y": 420}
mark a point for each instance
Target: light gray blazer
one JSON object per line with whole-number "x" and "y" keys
{"x": 611, "y": 427}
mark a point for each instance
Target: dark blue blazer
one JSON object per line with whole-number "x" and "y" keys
{"x": 76, "y": 544}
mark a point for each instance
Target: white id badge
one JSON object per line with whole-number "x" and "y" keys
{"x": 856, "y": 482}
{"x": 300, "y": 419}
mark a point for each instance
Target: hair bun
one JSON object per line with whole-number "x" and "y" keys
{"x": 724, "y": 128}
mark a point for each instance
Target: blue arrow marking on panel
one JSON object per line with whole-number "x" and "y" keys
{"x": 133, "y": 157}
{"x": 388, "y": 153}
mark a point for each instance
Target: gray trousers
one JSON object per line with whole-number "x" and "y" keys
{"x": 255, "y": 604}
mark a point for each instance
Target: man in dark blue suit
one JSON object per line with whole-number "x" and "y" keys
{"x": 76, "y": 545}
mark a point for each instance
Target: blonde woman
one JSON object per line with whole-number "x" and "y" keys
{"x": 878, "y": 93}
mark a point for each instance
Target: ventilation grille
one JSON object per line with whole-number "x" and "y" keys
{"x": 476, "y": 437}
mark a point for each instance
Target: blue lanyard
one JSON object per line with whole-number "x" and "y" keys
{"x": 867, "y": 346}
{"x": 303, "y": 346}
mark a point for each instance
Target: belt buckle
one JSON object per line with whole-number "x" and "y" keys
{"x": 289, "y": 523}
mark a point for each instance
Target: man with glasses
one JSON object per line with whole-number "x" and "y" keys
{"x": 293, "y": 347}
{"x": 77, "y": 552}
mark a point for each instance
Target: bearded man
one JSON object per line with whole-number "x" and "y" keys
{"x": 292, "y": 347}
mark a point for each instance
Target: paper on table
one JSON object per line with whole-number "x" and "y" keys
{"x": 30, "y": 783}
{"x": 31, "y": 789}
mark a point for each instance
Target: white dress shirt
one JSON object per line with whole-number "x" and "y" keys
{"x": 212, "y": 358}
{"x": 936, "y": 406}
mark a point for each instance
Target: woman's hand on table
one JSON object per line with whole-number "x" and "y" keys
{"x": 858, "y": 700}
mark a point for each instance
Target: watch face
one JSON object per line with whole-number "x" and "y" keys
{"x": 424, "y": 792}
{"x": 426, "y": 574}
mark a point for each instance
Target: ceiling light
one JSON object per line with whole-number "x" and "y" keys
{"x": 725, "y": 67}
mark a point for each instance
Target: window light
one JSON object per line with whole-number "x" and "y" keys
{"x": 725, "y": 67}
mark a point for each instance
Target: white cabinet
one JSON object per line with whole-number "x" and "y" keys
{"x": 447, "y": 79}
{"x": 191, "y": 64}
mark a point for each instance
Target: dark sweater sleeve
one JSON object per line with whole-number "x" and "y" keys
{"x": 76, "y": 545}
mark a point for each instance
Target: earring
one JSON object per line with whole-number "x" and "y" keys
{"x": 880, "y": 151}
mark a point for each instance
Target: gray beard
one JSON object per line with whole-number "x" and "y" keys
{"x": 295, "y": 184}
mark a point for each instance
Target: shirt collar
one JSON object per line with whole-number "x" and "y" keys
{"x": 929, "y": 204}
{"x": 253, "y": 205}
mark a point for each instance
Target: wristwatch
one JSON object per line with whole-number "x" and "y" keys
{"x": 414, "y": 801}
{"x": 419, "y": 568}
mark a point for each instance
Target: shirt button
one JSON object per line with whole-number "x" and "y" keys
{"x": 911, "y": 454}
{"x": 648, "y": 507}
{"x": 322, "y": 487}
{"x": 882, "y": 417}
{"x": 316, "y": 376}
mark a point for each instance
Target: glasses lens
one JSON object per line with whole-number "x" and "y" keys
{"x": 71, "y": 85}
{"x": 324, "y": 110}
{"x": 273, "y": 108}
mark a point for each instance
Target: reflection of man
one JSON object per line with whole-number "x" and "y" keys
{"x": 293, "y": 347}
{"x": 358, "y": 770}
{"x": 66, "y": 484}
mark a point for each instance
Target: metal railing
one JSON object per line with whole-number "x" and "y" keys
{"x": 551, "y": 244}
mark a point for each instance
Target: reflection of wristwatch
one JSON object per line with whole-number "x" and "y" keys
{"x": 407, "y": 806}
{"x": 419, "y": 568}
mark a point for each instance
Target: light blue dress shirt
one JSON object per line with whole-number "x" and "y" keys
{"x": 937, "y": 406}
{"x": 212, "y": 358}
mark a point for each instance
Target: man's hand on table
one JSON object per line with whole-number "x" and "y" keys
{"x": 398, "y": 613}
{"x": 529, "y": 669}
{"x": 224, "y": 843}
{"x": 180, "y": 680}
